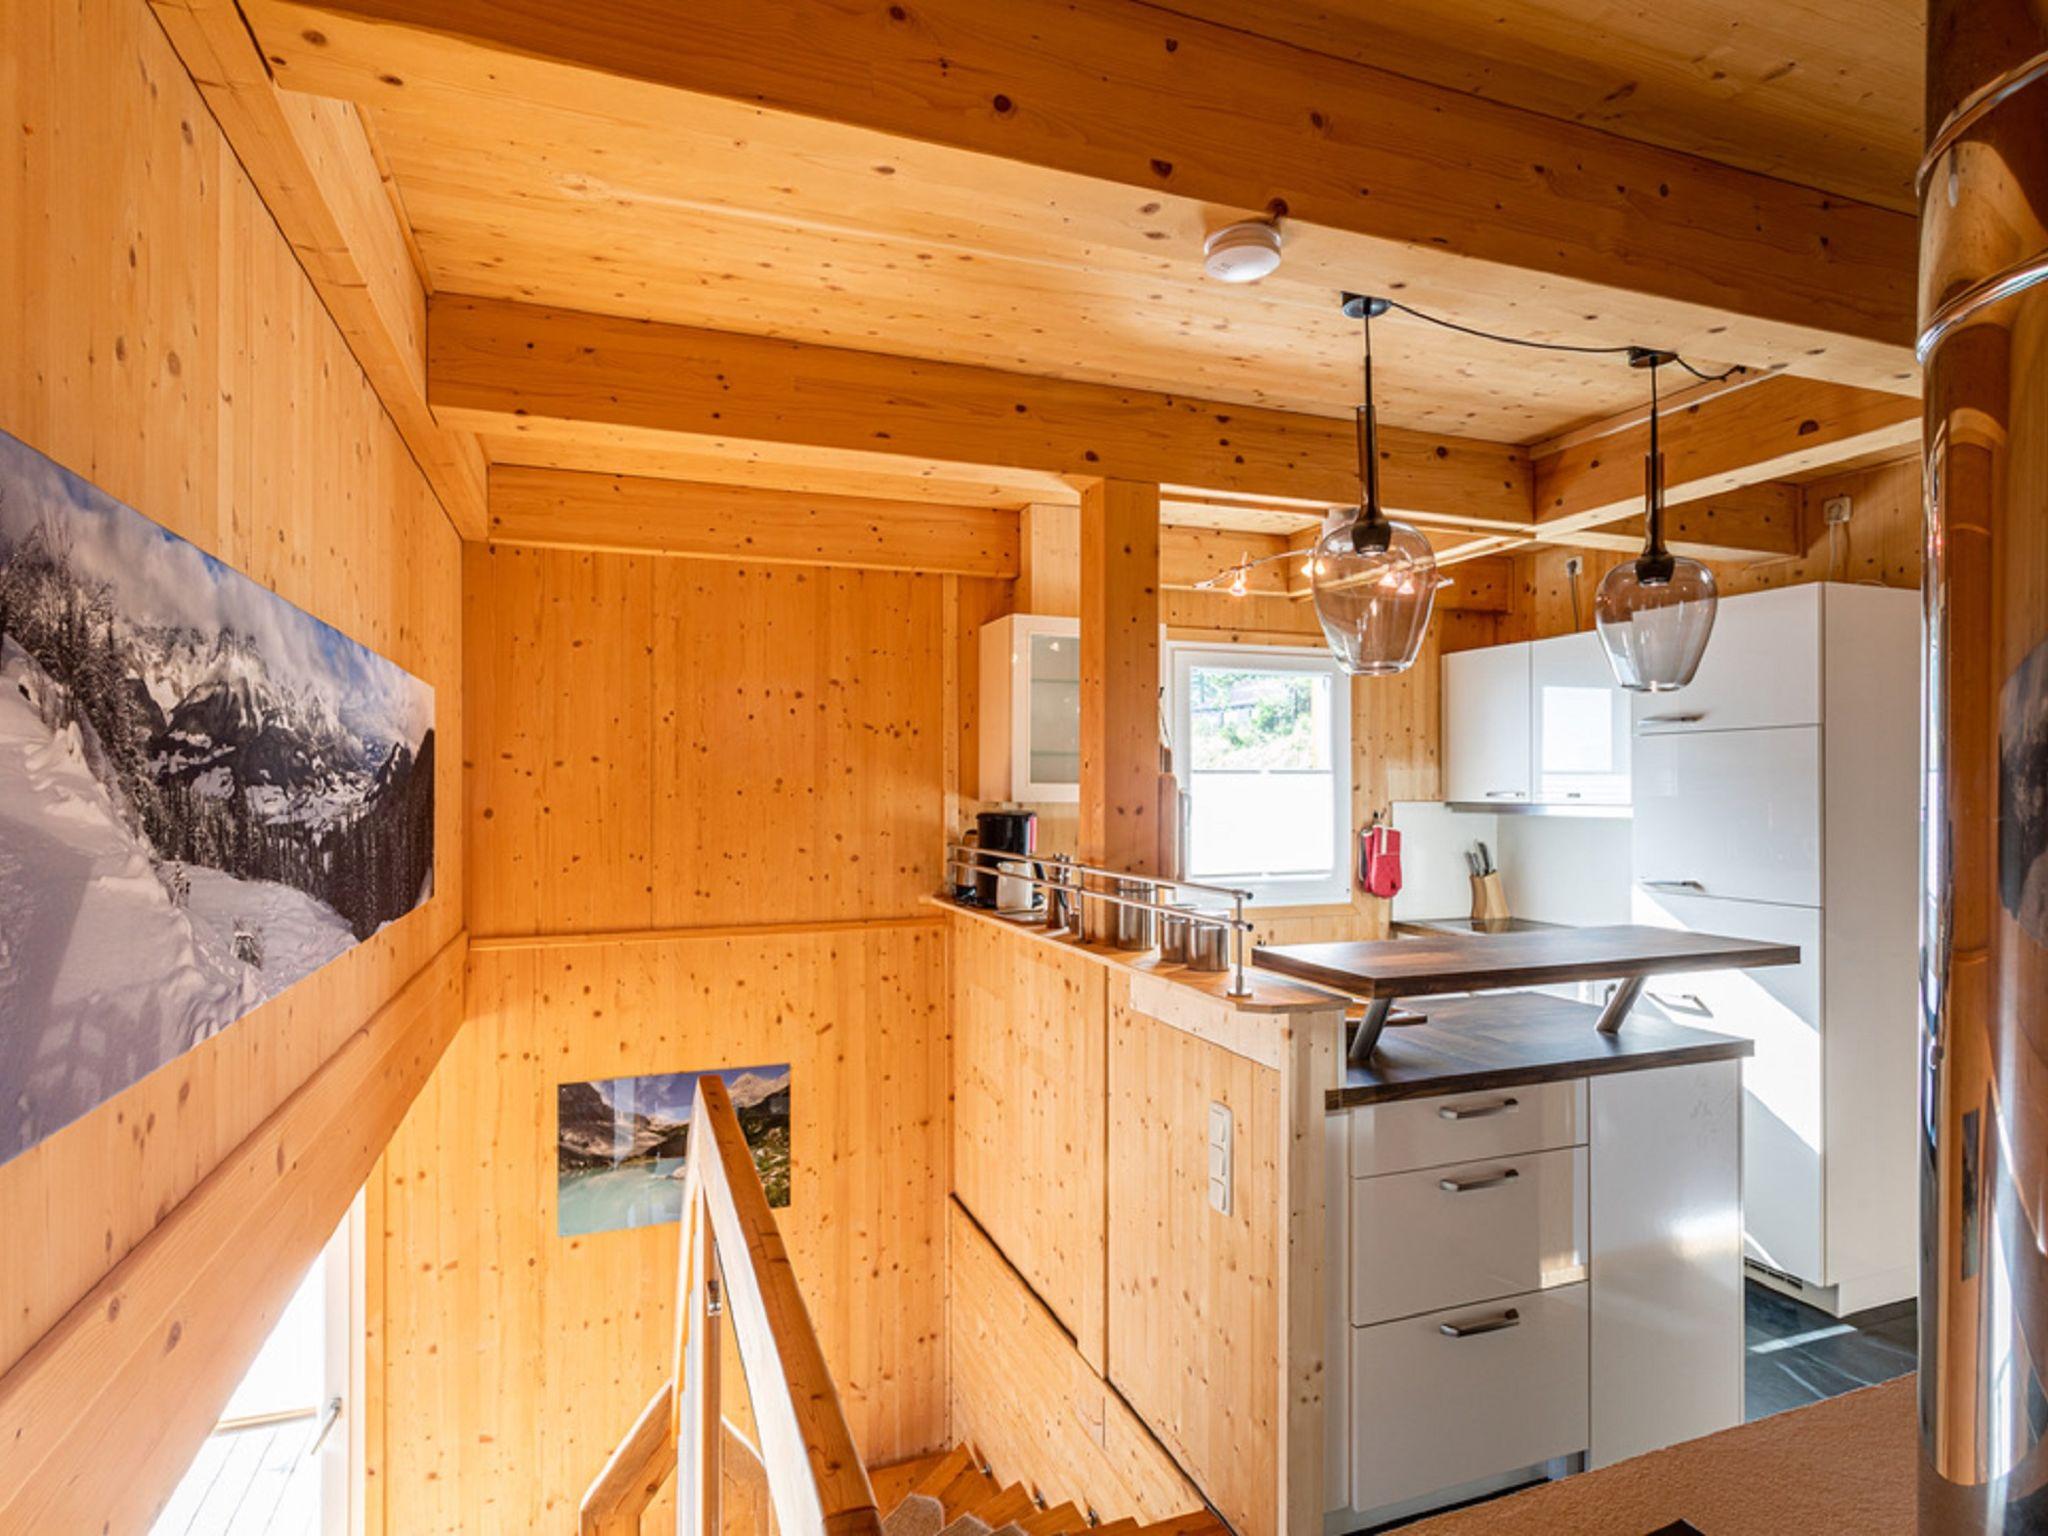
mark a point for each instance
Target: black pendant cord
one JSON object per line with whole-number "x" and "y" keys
{"x": 1550, "y": 346}
{"x": 1655, "y": 565}
{"x": 1371, "y": 531}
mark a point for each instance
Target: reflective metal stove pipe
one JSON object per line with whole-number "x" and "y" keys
{"x": 1984, "y": 861}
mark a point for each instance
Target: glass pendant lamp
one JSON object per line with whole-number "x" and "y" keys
{"x": 1374, "y": 580}
{"x": 1655, "y": 613}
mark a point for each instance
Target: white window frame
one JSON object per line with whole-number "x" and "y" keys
{"x": 1183, "y": 656}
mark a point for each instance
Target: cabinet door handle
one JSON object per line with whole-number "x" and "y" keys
{"x": 1477, "y": 1111}
{"x": 1504, "y": 794}
{"x": 1692, "y": 719}
{"x": 1685, "y": 1002}
{"x": 1462, "y": 1186}
{"x": 1508, "y": 1319}
{"x": 1673, "y": 885}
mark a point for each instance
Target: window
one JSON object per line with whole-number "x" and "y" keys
{"x": 1262, "y": 747}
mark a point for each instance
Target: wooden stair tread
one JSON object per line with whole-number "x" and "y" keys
{"x": 942, "y": 1472}
{"x": 1057, "y": 1521}
{"x": 968, "y": 1488}
{"x": 1004, "y": 1506}
{"x": 893, "y": 1481}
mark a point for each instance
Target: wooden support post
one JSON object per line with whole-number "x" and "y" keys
{"x": 1120, "y": 674}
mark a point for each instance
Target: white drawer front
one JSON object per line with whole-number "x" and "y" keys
{"x": 1446, "y": 1237}
{"x": 1730, "y": 813}
{"x": 1430, "y": 1411}
{"x": 1422, "y": 1133}
{"x": 1780, "y": 1009}
{"x": 1761, "y": 667}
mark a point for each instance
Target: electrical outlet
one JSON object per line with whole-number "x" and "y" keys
{"x": 1835, "y": 509}
{"x": 1574, "y": 566}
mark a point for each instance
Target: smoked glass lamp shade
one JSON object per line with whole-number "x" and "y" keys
{"x": 1373, "y": 602}
{"x": 1654, "y": 626}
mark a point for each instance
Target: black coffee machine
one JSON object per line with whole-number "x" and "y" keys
{"x": 995, "y": 885}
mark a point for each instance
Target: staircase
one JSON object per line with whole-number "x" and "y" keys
{"x": 800, "y": 1475}
{"x": 953, "y": 1493}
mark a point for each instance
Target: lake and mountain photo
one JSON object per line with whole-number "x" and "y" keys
{"x": 621, "y": 1144}
{"x": 206, "y": 794}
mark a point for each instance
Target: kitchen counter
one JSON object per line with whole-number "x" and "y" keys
{"x": 1440, "y": 962}
{"x": 1507, "y": 1040}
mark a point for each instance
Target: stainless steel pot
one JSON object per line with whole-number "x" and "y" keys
{"x": 1208, "y": 946}
{"x": 1175, "y": 930}
{"x": 1131, "y": 927}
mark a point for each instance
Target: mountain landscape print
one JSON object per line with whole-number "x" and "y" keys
{"x": 621, "y": 1144}
{"x": 205, "y": 795}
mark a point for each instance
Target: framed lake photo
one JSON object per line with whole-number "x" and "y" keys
{"x": 622, "y": 1143}
{"x": 206, "y": 794}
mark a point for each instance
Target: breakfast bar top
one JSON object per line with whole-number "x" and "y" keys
{"x": 1438, "y": 962}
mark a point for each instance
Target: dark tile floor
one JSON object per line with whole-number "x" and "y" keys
{"x": 1798, "y": 1354}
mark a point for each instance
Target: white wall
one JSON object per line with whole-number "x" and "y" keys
{"x": 1566, "y": 869}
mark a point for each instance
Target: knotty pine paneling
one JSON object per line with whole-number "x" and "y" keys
{"x": 672, "y": 743}
{"x": 1029, "y": 1139}
{"x": 513, "y": 1359}
{"x": 163, "y": 342}
{"x": 1194, "y": 1295}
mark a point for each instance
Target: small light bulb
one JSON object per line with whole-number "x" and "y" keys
{"x": 1237, "y": 583}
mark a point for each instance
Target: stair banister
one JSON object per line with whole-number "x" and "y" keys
{"x": 733, "y": 1270}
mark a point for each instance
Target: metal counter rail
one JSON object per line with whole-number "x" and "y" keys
{"x": 970, "y": 858}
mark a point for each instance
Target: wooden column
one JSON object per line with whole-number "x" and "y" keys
{"x": 1120, "y": 674}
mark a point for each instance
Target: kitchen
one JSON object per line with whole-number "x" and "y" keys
{"x": 1525, "y": 1006}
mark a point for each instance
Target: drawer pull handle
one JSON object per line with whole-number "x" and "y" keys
{"x": 1691, "y": 719}
{"x": 1504, "y": 794}
{"x": 1685, "y": 1002}
{"x": 1508, "y": 1319}
{"x": 1460, "y": 1186}
{"x": 1674, "y": 885}
{"x": 1478, "y": 1111}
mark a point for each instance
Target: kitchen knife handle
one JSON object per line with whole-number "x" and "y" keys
{"x": 1507, "y": 1319}
{"x": 1465, "y": 1186}
{"x": 1477, "y": 1111}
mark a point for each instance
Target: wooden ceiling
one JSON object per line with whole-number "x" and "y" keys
{"x": 891, "y": 200}
{"x": 1825, "y": 93}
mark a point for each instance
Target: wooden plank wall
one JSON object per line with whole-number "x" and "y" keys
{"x": 1039, "y": 1413}
{"x": 164, "y": 343}
{"x": 1030, "y": 1082}
{"x": 704, "y": 799}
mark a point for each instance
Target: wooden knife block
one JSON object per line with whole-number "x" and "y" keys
{"x": 1489, "y": 901}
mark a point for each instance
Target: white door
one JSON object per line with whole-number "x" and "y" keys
{"x": 1579, "y": 724}
{"x": 1486, "y": 726}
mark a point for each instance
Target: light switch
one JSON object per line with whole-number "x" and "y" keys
{"x": 1219, "y": 1158}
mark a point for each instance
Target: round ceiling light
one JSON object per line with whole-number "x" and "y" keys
{"x": 1242, "y": 253}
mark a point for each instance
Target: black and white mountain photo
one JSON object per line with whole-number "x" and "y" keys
{"x": 206, "y": 794}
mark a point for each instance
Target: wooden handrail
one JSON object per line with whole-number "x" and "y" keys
{"x": 733, "y": 1267}
{"x": 635, "y": 1471}
{"x": 815, "y": 1477}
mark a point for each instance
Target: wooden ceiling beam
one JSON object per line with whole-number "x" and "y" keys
{"x": 496, "y": 366}
{"x": 312, "y": 163}
{"x": 1497, "y": 197}
{"x": 1772, "y": 430}
{"x": 566, "y": 509}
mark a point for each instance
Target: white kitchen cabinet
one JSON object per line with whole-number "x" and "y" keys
{"x": 1734, "y": 814}
{"x": 1762, "y": 667}
{"x": 1579, "y": 728}
{"x": 1031, "y": 709}
{"x": 1777, "y": 798}
{"x": 1486, "y": 744}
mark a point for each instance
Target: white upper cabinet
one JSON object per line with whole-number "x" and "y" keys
{"x": 1535, "y": 724}
{"x": 1762, "y": 667}
{"x": 1731, "y": 813}
{"x": 1487, "y": 758}
{"x": 1578, "y": 723}
{"x": 1031, "y": 709}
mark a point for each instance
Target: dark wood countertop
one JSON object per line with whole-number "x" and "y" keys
{"x": 1470, "y": 1044}
{"x": 1438, "y": 962}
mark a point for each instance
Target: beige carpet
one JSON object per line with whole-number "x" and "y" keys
{"x": 1844, "y": 1467}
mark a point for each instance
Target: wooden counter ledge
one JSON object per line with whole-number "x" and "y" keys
{"x": 1269, "y": 993}
{"x": 1507, "y": 1039}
